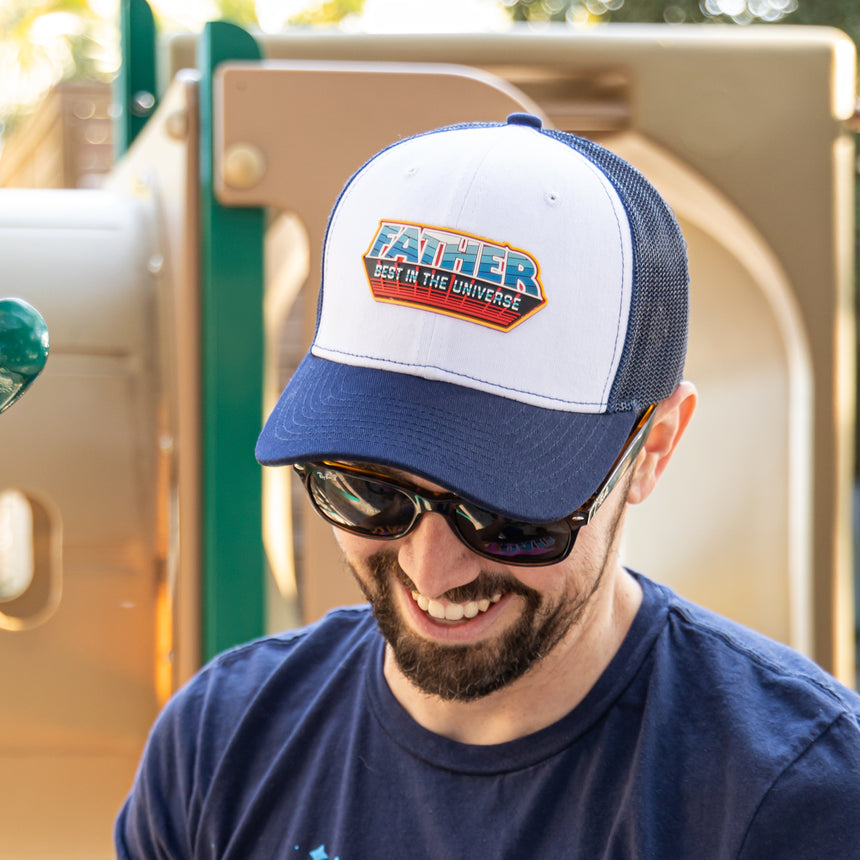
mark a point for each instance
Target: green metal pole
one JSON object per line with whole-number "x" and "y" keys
{"x": 134, "y": 90}
{"x": 233, "y": 564}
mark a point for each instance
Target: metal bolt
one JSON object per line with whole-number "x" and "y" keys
{"x": 142, "y": 103}
{"x": 176, "y": 125}
{"x": 244, "y": 165}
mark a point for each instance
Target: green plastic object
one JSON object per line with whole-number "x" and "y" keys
{"x": 24, "y": 346}
{"x": 135, "y": 86}
{"x": 232, "y": 332}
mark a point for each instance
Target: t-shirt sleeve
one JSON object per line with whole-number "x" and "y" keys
{"x": 156, "y": 821}
{"x": 813, "y": 808}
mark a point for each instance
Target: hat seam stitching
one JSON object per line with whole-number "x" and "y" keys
{"x": 318, "y": 351}
{"x": 610, "y": 377}
{"x": 604, "y": 181}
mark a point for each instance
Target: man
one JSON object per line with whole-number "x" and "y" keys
{"x": 495, "y": 376}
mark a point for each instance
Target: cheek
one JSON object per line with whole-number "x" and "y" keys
{"x": 550, "y": 583}
{"x": 577, "y": 573}
{"x": 343, "y": 539}
{"x": 355, "y": 548}
{"x": 350, "y": 545}
{"x": 598, "y": 537}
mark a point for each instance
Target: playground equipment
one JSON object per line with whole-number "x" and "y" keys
{"x": 179, "y": 295}
{"x": 24, "y": 345}
{"x": 29, "y": 569}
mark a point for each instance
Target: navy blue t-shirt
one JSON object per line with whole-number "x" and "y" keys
{"x": 701, "y": 740}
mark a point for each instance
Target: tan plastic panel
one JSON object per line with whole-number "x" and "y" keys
{"x": 747, "y": 463}
{"x": 754, "y": 119}
{"x": 78, "y": 692}
{"x": 163, "y": 163}
{"x": 96, "y": 439}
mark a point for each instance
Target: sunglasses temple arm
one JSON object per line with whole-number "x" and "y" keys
{"x": 621, "y": 467}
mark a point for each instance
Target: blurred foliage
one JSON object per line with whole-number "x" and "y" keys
{"x": 328, "y": 12}
{"x": 43, "y": 42}
{"x": 241, "y": 12}
{"x": 27, "y": 30}
{"x": 246, "y": 14}
{"x": 844, "y": 14}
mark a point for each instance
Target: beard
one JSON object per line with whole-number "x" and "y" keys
{"x": 465, "y": 673}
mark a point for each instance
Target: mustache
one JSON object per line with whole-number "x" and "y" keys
{"x": 384, "y": 563}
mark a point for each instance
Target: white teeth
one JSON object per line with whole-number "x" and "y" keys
{"x": 436, "y": 609}
{"x": 454, "y": 611}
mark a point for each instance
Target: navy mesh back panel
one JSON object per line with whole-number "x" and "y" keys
{"x": 652, "y": 362}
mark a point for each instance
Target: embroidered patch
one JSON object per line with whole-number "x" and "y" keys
{"x": 453, "y": 273}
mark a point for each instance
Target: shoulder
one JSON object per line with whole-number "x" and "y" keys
{"x": 286, "y": 666}
{"x": 293, "y": 660}
{"x": 757, "y": 668}
{"x": 785, "y": 730}
{"x": 810, "y": 809}
{"x": 247, "y": 702}
{"x": 334, "y": 635}
{"x": 741, "y": 689}
{"x": 758, "y": 731}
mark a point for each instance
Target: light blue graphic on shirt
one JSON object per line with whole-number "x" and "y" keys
{"x": 317, "y": 853}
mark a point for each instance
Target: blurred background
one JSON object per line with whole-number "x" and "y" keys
{"x": 166, "y": 173}
{"x": 51, "y": 49}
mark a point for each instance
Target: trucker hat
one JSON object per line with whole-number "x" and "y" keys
{"x": 499, "y": 302}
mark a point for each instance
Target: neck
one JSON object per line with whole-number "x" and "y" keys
{"x": 559, "y": 682}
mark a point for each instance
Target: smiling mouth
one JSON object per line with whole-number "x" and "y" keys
{"x": 448, "y": 611}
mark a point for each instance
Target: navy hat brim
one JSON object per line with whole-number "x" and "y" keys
{"x": 523, "y": 461}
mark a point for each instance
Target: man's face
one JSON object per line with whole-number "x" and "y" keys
{"x": 460, "y": 626}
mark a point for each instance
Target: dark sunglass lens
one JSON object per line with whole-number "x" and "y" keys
{"x": 360, "y": 503}
{"x": 509, "y": 540}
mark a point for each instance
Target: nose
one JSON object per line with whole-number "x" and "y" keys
{"x": 433, "y": 557}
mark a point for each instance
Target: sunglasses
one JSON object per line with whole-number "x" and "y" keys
{"x": 372, "y": 505}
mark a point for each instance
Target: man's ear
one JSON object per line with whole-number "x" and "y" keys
{"x": 670, "y": 420}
